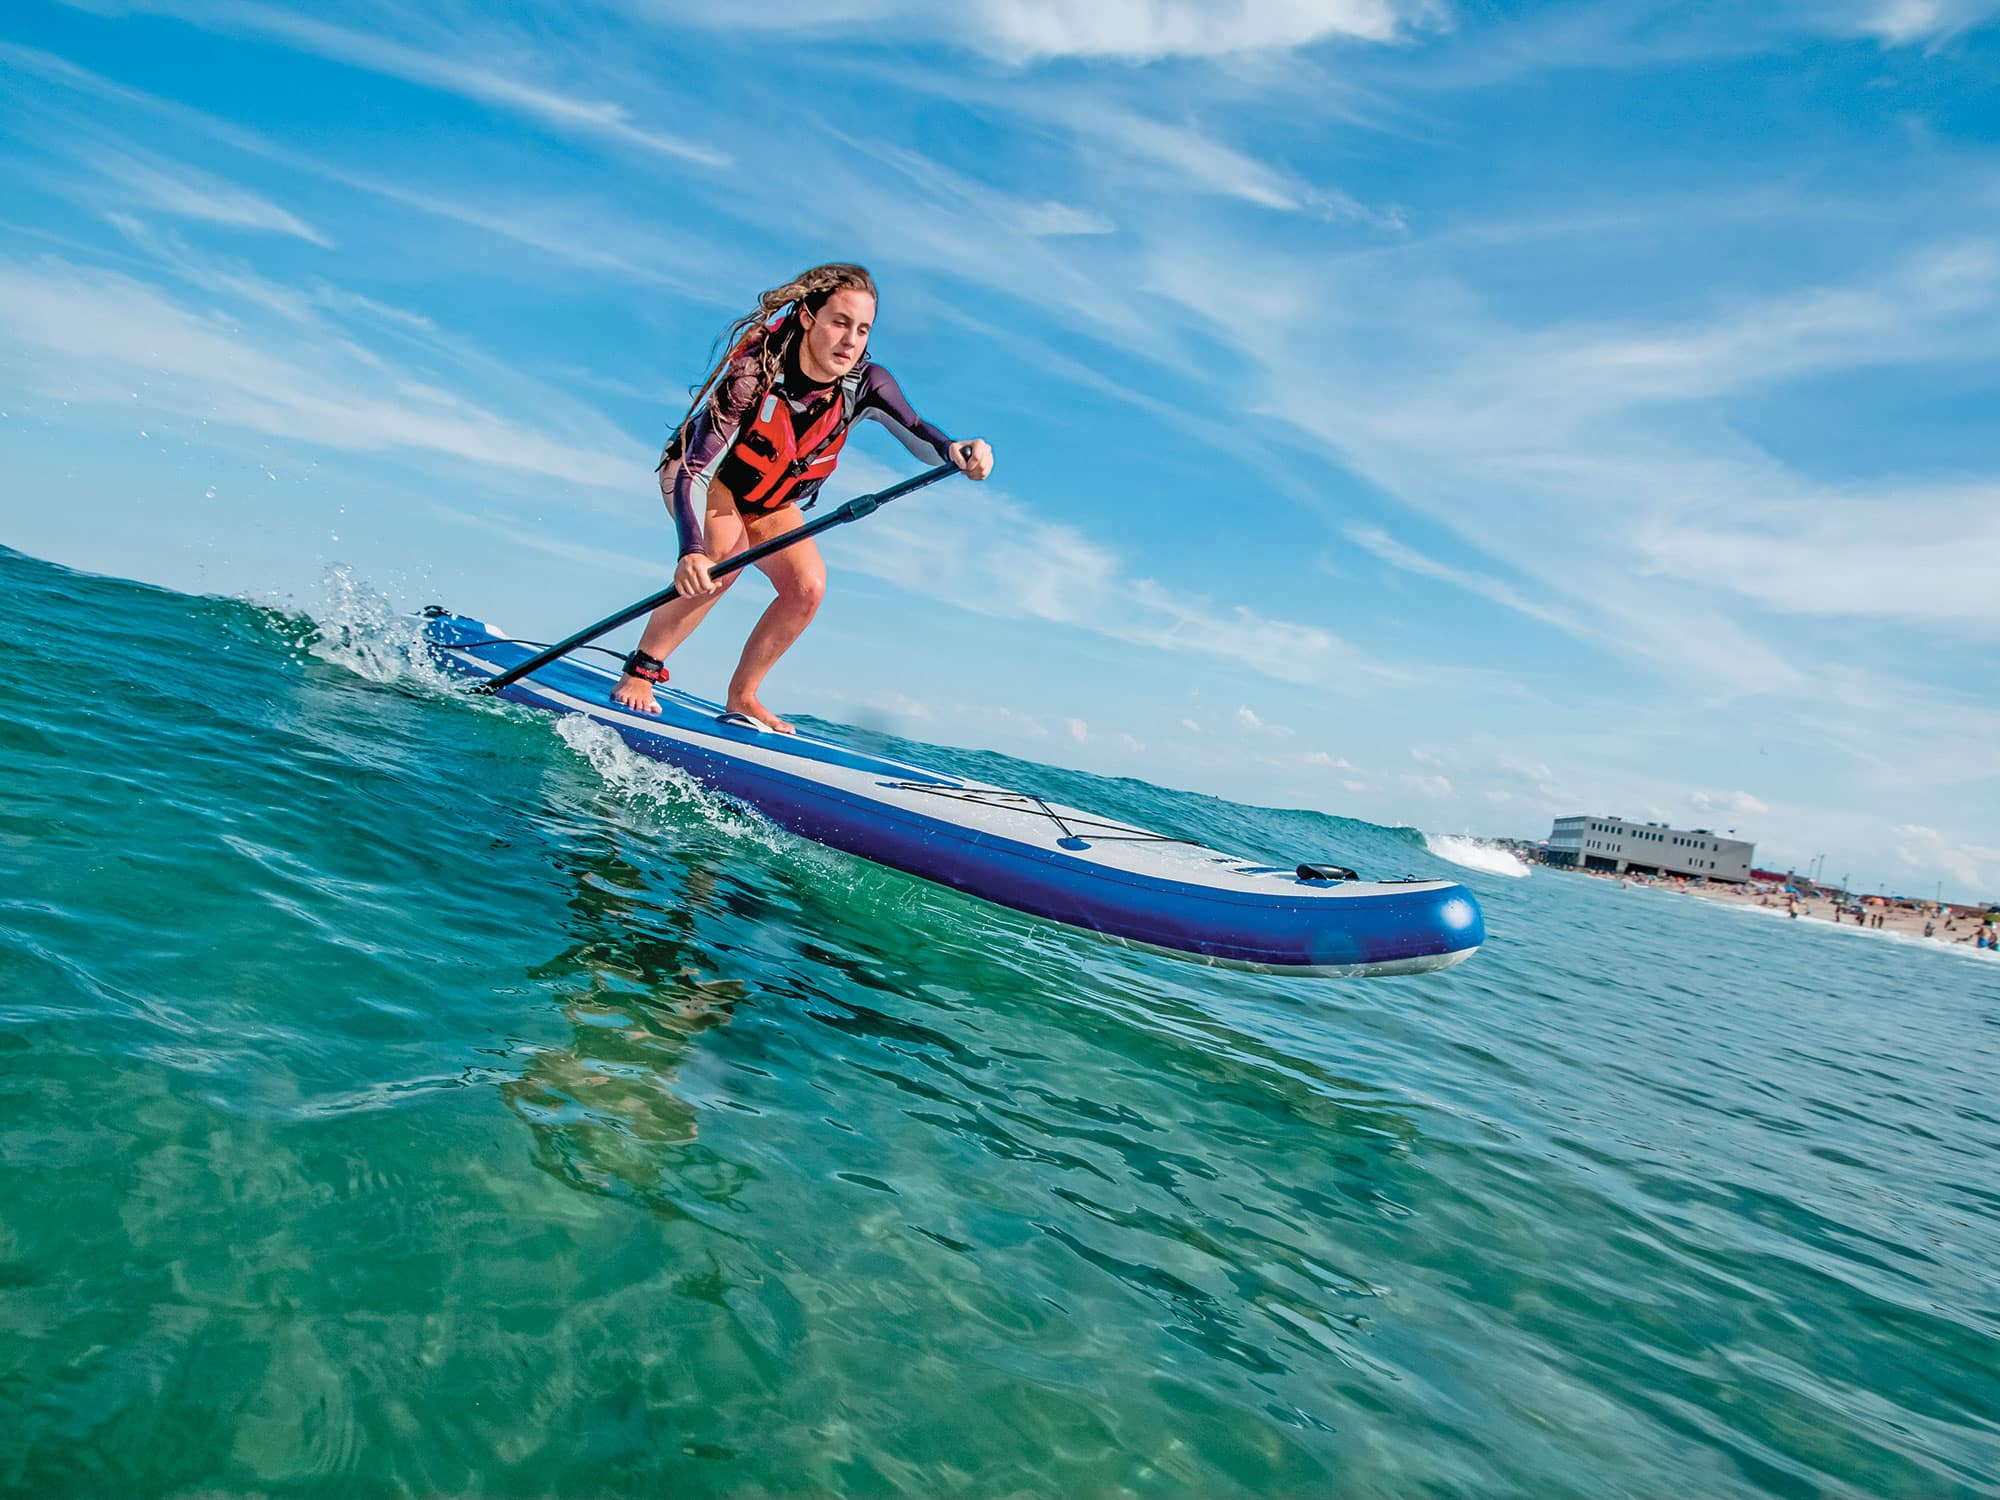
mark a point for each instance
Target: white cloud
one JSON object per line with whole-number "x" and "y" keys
{"x": 1247, "y": 718}
{"x": 1429, "y": 786}
{"x": 1146, "y": 30}
{"x": 1321, "y": 758}
{"x": 899, "y": 705}
{"x": 571, "y": 229}
{"x": 1836, "y": 555}
{"x": 1722, "y": 802}
{"x": 1142, "y": 161}
{"x": 1393, "y": 552}
{"x": 1584, "y": 461}
{"x": 994, "y": 556}
{"x": 1190, "y": 726}
{"x": 1130, "y": 31}
{"x": 604, "y": 559}
{"x": 1052, "y": 218}
{"x": 180, "y": 190}
{"x": 446, "y": 67}
{"x": 1188, "y": 158}
{"x": 92, "y": 336}
{"x": 1902, "y": 23}
{"x": 1974, "y": 866}
{"x": 1078, "y": 730}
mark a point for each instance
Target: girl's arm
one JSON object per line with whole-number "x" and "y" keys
{"x": 706, "y": 439}
{"x": 677, "y": 480}
{"x": 882, "y": 399}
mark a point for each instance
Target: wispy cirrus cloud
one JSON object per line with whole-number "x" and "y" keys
{"x": 1576, "y": 441}
{"x": 1133, "y": 153}
{"x": 89, "y": 335}
{"x": 569, "y": 229}
{"x": 1737, "y": 804}
{"x": 549, "y": 544}
{"x": 1147, "y": 30}
{"x": 999, "y": 558}
{"x": 187, "y": 193}
{"x": 1397, "y": 555}
{"x": 1833, "y": 554}
{"x": 1189, "y": 158}
{"x": 1006, "y": 213}
{"x": 449, "y": 64}
{"x": 1904, "y": 23}
{"x": 1974, "y": 866}
{"x": 1023, "y": 32}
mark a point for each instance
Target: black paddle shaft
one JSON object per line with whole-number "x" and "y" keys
{"x": 853, "y": 510}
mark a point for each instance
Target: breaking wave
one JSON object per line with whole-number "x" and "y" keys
{"x": 1477, "y": 854}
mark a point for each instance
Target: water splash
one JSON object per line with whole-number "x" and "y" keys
{"x": 654, "y": 786}
{"x": 1477, "y": 854}
{"x": 361, "y": 629}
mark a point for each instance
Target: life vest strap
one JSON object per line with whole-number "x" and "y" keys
{"x": 850, "y": 398}
{"x": 767, "y": 444}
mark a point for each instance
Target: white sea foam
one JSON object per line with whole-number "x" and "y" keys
{"x": 1477, "y": 854}
{"x": 359, "y": 628}
{"x": 650, "y": 783}
{"x": 653, "y": 786}
{"x": 1871, "y": 934}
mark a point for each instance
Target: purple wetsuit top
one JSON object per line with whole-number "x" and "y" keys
{"x": 713, "y": 434}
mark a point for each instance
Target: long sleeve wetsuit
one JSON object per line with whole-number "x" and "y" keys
{"x": 716, "y": 426}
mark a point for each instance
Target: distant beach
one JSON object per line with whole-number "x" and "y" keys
{"x": 1952, "y": 926}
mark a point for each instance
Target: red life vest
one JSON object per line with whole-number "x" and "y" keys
{"x": 780, "y": 453}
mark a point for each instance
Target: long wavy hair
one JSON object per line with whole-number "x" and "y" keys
{"x": 751, "y": 342}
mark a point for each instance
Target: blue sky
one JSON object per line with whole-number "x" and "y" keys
{"x": 1440, "y": 414}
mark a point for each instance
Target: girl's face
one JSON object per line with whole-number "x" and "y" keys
{"x": 836, "y": 335}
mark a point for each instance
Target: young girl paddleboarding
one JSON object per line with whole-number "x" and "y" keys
{"x": 762, "y": 435}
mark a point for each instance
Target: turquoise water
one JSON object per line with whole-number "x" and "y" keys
{"x": 399, "y": 1097}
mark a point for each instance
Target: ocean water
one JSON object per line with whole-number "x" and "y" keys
{"x": 401, "y": 1095}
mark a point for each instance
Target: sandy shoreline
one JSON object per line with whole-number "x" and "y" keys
{"x": 1950, "y": 929}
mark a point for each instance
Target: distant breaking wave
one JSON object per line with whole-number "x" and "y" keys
{"x": 1477, "y": 854}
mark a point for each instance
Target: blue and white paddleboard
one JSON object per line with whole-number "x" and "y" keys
{"x": 1122, "y": 883}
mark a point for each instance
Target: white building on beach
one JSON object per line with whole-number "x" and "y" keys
{"x": 1621, "y": 848}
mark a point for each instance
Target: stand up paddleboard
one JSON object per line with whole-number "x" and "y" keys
{"x": 1122, "y": 883}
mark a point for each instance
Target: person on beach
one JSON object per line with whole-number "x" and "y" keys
{"x": 762, "y": 435}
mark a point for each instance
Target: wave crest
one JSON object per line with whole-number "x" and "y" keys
{"x": 1477, "y": 854}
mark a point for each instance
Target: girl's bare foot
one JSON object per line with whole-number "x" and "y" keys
{"x": 636, "y": 694}
{"x": 743, "y": 703}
